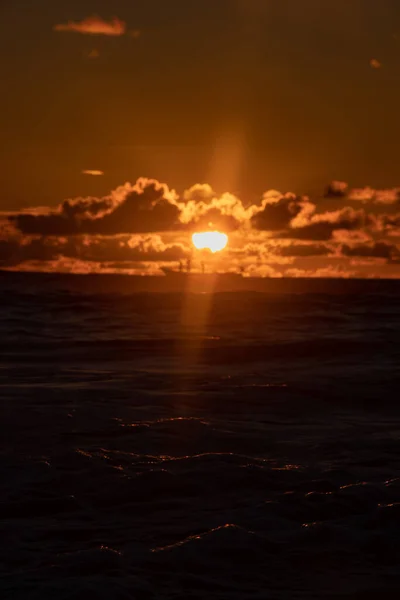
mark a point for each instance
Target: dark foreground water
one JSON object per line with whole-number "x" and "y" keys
{"x": 170, "y": 446}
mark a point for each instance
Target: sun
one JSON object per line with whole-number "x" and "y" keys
{"x": 210, "y": 240}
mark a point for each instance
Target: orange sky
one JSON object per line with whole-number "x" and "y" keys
{"x": 241, "y": 96}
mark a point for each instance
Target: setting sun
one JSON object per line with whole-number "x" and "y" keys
{"x": 210, "y": 240}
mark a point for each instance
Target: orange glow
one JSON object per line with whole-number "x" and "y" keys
{"x": 93, "y": 172}
{"x": 210, "y": 240}
{"x": 94, "y": 26}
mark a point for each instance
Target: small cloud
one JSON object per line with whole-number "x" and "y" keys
{"x": 336, "y": 189}
{"x": 94, "y": 26}
{"x": 93, "y": 172}
{"x": 94, "y": 54}
{"x": 375, "y": 64}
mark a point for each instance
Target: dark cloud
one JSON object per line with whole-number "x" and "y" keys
{"x": 277, "y": 212}
{"x": 148, "y": 248}
{"x": 15, "y": 252}
{"x": 322, "y": 226}
{"x": 86, "y": 208}
{"x": 377, "y": 250}
{"x": 51, "y": 224}
{"x": 388, "y": 220}
{"x": 8, "y": 252}
{"x": 336, "y": 189}
{"x": 298, "y": 250}
{"x": 148, "y": 206}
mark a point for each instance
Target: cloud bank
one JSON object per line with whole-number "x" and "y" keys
{"x": 142, "y": 226}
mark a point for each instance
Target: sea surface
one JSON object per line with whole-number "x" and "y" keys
{"x": 229, "y": 445}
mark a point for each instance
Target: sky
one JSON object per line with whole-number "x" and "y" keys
{"x": 128, "y": 125}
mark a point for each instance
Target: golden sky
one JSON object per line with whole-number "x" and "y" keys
{"x": 207, "y": 109}
{"x": 141, "y": 227}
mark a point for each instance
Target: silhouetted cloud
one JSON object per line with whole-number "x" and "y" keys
{"x": 366, "y": 195}
{"x": 336, "y": 189}
{"x": 100, "y": 249}
{"x": 147, "y": 248}
{"x": 147, "y": 206}
{"x": 8, "y": 250}
{"x": 94, "y": 26}
{"x": 277, "y": 211}
{"x": 321, "y": 226}
{"x": 305, "y": 250}
{"x": 377, "y": 250}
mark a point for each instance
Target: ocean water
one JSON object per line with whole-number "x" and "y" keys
{"x": 163, "y": 445}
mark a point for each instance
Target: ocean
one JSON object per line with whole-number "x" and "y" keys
{"x": 182, "y": 445}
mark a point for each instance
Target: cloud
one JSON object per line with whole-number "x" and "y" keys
{"x": 323, "y": 272}
{"x": 93, "y": 172}
{"x": 340, "y": 189}
{"x": 346, "y": 236}
{"x": 142, "y": 226}
{"x": 321, "y": 227}
{"x": 202, "y": 209}
{"x": 150, "y": 206}
{"x": 297, "y": 250}
{"x": 370, "y": 195}
{"x": 375, "y": 63}
{"x": 146, "y": 248}
{"x": 278, "y": 210}
{"x": 376, "y": 250}
{"x": 94, "y": 26}
{"x": 200, "y": 192}
{"x": 389, "y": 220}
{"x": 15, "y": 252}
{"x": 146, "y": 206}
{"x": 8, "y": 250}
{"x": 94, "y": 249}
{"x": 336, "y": 189}
{"x": 261, "y": 271}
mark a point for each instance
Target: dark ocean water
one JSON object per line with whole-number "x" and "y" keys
{"x": 236, "y": 445}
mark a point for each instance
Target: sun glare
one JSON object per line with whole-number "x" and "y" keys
{"x": 210, "y": 240}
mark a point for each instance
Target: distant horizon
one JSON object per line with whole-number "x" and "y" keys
{"x": 162, "y": 277}
{"x": 143, "y": 227}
